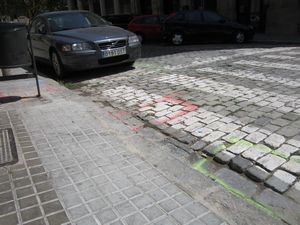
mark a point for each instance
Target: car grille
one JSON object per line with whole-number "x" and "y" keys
{"x": 112, "y": 44}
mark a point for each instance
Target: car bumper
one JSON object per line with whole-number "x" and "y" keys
{"x": 93, "y": 59}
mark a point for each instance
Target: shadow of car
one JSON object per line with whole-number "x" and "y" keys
{"x": 202, "y": 25}
{"x": 81, "y": 40}
{"x": 147, "y": 27}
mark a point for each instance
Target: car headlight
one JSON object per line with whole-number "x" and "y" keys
{"x": 76, "y": 47}
{"x": 133, "y": 40}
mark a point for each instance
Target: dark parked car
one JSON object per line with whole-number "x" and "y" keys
{"x": 120, "y": 20}
{"x": 79, "y": 40}
{"x": 199, "y": 25}
{"x": 147, "y": 27}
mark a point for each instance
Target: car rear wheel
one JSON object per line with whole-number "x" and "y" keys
{"x": 240, "y": 37}
{"x": 56, "y": 64}
{"x": 177, "y": 39}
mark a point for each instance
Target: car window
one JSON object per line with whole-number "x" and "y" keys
{"x": 194, "y": 16}
{"x": 38, "y": 26}
{"x": 150, "y": 20}
{"x": 69, "y": 21}
{"x": 176, "y": 18}
{"x": 212, "y": 17}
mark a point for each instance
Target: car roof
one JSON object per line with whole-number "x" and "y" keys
{"x": 61, "y": 12}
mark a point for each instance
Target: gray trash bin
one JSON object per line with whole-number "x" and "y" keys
{"x": 14, "y": 45}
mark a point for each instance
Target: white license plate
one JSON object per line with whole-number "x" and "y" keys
{"x": 113, "y": 52}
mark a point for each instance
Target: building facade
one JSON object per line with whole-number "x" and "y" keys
{"x": 280, "y": 17}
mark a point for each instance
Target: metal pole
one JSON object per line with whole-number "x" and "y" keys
{"x": 34, "y": 68}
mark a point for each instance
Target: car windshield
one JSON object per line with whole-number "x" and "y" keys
{"x": 69, "y": 21}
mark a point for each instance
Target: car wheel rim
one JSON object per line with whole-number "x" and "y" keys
{"x": 55, "y": 64}
{"x": 240, "y": 37}
{"x": 177, "y": 39}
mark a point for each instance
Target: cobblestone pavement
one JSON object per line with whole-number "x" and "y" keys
{"x": 72, "y": 171}
{"x": 240, "y": 107}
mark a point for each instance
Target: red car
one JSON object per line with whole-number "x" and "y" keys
{"x": 147, "y": 27}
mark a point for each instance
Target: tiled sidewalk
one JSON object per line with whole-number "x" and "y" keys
{"x": 72, "y": 171}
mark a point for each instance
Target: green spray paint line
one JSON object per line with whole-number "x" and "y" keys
{"x": 265, "y": 208}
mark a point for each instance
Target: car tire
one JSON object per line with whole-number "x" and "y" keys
{"x": 239, "y": 37}
{"x": 177, "y": 39}
{"x": 57, "y": 65}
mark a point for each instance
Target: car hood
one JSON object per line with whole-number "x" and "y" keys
{"x": 94, "y": 33}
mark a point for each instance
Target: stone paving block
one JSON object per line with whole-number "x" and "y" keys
{"x": 293, "y": 165}
{"x": 240, "y": 164}
{"x": 274, "y": 140}
{"x": 125, "y": 208}
{"x": 294, "y": 142}
{"x": 211, "y": 219}
{"x": 196, "y": 209}
{"x": 215, "y": 135}
{"x": 169, "y": 205}
{"x": 152, "y": 212}
{"x": 256, "y": 137}
{"x": 271, "y": 162}
{"x": 249, "y": 129}
{"x": 31, "y": 213}
{"x": 136, "y": 219}
{"x": 237, "y": 181}
{"x": 257, "y": 173}
{"x": 286, "y": 150}
{"x": 214, "y": 148}
{"x": 106, "y": 216}
{"x": 280, "y": 181}
{"x": 224, "y": 157}
{"x": 201, "y": 132}
{"x": 11, "y": 219}
{"x": 288, "y": 131}
{"x": 255, "y": 152}
{"x": 52, "y": 207}
{"x": 7, "y": 208}
{"x": 142, "y": 201}
{"x": 283, "y": 206}
{"x": 199, "y": 145}
{"x": 294, "y": 192}
{"x": 78, "y": 212}
{"x": 58, "y": 218}
{"x": 234, "y": 136}
{"x": 240, "y": 147}
{"x": 182, "y": 216}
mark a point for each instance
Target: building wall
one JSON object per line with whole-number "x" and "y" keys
{"x": 283, "y": 17}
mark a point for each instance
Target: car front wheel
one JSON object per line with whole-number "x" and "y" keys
{"x": 57, "y": 65}
{"x": 240, "y": 37}
{"x": 177, "y": 39}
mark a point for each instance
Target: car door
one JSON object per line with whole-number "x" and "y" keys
{"x": 39, "y": 38}
{"x": 195, "y": 28}
{"x": 214, "y": 25}
{"x": 150, "y": 27}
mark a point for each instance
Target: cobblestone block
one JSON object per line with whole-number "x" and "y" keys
{"x": 293, "y": 165}
{"x": 214, "y": 148}
{"x": 256, "y": 137}
{"x": 240, "y": 164}
{"x": 286, "y": 150}
{"x": 280, "y": 181}
{"x": 199, "y": 145}
{"x": 201, "y": 132}
{"x": 271, "y": 162}
{"x": 274, "y": 140}
{"x": 294, "y": 142}
{"x": 234, "y": 136}
{"x": 237, "y": 181}
{"x": 255, "y": 152}
{"x": 224, "y": 157}
{"x": 182, "y": 216}
{"x": 240, "y": 147}
{"x": 257, "y": 173}
{"x": 213, "y": 136}
{"x": 249, "y": 129}
{"x": 288, "y": 131}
